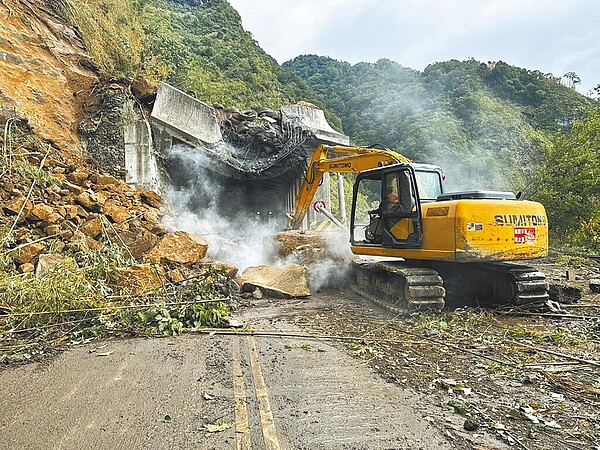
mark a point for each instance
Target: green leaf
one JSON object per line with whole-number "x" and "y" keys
{"x": 513, "y": 414}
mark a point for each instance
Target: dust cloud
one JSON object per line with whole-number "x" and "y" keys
{"x": 334, "y": 269}
{"x": 198, "y": 196}
{"x": 205, "y": 204}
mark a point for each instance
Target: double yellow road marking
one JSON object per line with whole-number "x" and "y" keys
{"x": 267, "y": 422}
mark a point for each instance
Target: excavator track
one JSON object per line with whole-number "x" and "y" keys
{"x": 403, "y": 285}
{"x": 397, "y": 287}
{"x": 510, "y": 285}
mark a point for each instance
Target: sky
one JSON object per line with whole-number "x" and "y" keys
{"x": 552, "y": 36}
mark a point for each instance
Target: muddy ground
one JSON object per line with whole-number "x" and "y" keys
{"x": 329, "y": 372}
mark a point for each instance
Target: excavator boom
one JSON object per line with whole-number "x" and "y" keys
{"x": 341, "y": 159}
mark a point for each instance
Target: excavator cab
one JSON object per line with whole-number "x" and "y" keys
{"x": 386, "y": 205}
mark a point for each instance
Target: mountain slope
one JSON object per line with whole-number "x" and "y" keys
{"x": 485, "y": 123}
{"x": 198, "y": 46}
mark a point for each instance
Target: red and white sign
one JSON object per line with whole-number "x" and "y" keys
{"x": 524, "y": 235}
{"x": 318, "y": 204}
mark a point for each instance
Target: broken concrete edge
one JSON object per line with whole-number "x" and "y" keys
{"x": 313, "y": 119}
{"x": 187, "y": 118}
{"x": 195, "y": 123}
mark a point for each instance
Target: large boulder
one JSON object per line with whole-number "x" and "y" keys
{"x": 304, "y": 247}
{"x": 44, "y": 212}
{"x": 48, "y": 261}
{"x": 115, "y": 211}
{"x": 138, "y": 242}
{"x": 151, "y": 198}
{"x": 179, "y": 247}
{"x": 140, "y": 278}
{"x": 92, "y": 228}
{"x": 28, "y": 253}
{"x": 288, "y": 280}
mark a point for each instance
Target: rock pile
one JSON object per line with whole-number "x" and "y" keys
{"x": 78, "y": 209}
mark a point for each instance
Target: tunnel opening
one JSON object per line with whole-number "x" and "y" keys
{"x": 195, "y": 179}
{"x": 230, "y": 202}
{"x": 232, "y": 176}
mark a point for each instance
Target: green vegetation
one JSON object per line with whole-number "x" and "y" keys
{"x": 198, "y": 46}
{"x": 486, "y": 124}
{"x": 76, "y": 301}
{"x": 568, "y": 183}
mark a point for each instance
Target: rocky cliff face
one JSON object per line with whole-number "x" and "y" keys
{"x": 46, "y": 76}
{"x": 53, "y": 105}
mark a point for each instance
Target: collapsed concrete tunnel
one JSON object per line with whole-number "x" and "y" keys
{"x": 236, "y": 194}
{"x": 245, "y": 164}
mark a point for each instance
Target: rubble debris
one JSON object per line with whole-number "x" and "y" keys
{"x": 233, "y": 322}
{"x": 140, "y": 278}
{"x": 26, "y": 268}
{"x": 27, "y": 253}
{"x": 288, "y": 281}
{"x": 327, "y": 256}
{"x": 151, "y": 198}
{"x": 301, "y": 247}
{"x": 138, "y": 242}
{"x": 566, "y": 293}
{"x": 595, "y": 285}
{"x": 46, "y": 263}
{"x": 471, "y": 424}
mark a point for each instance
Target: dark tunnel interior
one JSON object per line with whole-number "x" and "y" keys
{"x": 255, "y": 199}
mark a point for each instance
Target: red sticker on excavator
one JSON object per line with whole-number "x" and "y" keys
{"x": 524, "y": 235}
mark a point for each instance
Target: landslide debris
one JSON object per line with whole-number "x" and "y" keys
{"x": 83, "y": 254}
{"x": 287, "y": 281}
{"x": 46, "y": 72}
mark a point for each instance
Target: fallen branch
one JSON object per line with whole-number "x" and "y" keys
{"x": 556, "y": 315}
{"x": 105, "y": 222}
{"x": 460, "y": 348}
{"x": 576, "y": 387}
{"x": 45, "y": 327}
{"x": 113, "y": 307}
{"x": 551, "y": 352}
{"x": 27, "y": 244}
{"x": 490, "y": 420}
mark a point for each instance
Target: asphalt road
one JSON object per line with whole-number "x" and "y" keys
{"x": 201, "y": 391}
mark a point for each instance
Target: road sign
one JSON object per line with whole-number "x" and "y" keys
{"x": 318, "y": 204}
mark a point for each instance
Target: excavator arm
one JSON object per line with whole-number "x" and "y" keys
{"x": 338, "y": 159}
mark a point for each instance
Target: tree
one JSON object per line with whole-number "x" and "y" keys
{"x": 568, "y": 184}
{"x": 572, "y": 79}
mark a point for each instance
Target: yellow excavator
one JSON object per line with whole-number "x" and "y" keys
{"x": 428, "y": 248}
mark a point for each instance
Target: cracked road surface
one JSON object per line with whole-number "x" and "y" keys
{"x": 262, "y": 392}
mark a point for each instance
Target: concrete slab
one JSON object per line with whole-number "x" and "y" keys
{"x": 313, "y": 119}
{"x": 185, "y": 117}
